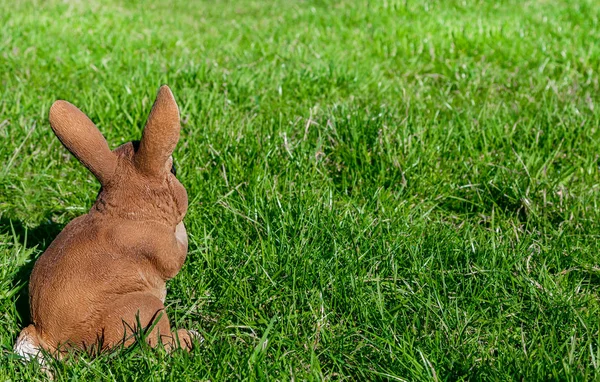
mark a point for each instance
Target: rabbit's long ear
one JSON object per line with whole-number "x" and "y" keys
{"x": 161, "y": 134}
{"x": 81, "y": 137}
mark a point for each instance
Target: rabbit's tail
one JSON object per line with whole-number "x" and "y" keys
{"x": 28, "y": 345}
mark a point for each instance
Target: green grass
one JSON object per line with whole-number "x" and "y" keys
{"x": 378, "y": 190}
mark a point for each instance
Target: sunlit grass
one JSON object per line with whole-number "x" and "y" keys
{"x": 378, "y": 190}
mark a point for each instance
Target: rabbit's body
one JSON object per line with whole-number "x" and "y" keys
{"x": 105, "y": 273}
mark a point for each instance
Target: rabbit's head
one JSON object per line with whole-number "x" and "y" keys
{"x": 137, "y": 178}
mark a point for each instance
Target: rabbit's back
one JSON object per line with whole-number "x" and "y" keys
{"x": 87, "y": 267}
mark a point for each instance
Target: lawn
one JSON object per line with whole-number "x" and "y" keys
{"x": 385, "y": 190}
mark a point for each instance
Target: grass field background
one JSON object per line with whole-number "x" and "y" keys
{"x": 378, "y": 190}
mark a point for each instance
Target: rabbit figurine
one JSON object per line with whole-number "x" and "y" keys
{"x": 104, "y": 275}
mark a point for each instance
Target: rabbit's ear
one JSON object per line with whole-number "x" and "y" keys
{"x": 81, "y": 137}
{"x": 160, "y": 136}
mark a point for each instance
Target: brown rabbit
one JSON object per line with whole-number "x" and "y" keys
{"x": 105, "y": 273}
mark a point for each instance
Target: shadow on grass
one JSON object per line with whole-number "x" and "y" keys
{"x": 39, "y": 237}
